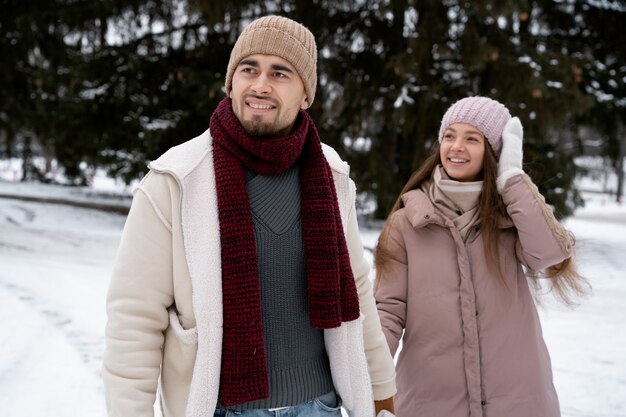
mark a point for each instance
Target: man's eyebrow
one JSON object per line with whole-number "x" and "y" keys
{"x": 278, "y": 67}
{"x": 255, "y": 63}
{"x": 251, "y": 62}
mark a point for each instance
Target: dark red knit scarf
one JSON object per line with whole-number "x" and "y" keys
{"x": 332, "y": 295}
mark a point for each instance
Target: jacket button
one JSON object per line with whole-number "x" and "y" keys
{"x": 483, "y": 403}
{"x": 427, "y": 216}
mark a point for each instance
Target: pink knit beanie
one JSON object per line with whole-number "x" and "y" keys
{"x": 488, "y": 115}
{"x": 283, "y": 37}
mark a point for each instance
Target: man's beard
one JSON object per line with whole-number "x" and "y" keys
{"x": 257, "y": 128}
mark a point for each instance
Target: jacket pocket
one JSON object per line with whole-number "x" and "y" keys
{"x": 186, "y": 336}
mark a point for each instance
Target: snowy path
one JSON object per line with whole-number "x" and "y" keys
{"x": 588, "y": 344}
{"x": 55, "y": 263}
{"x": 54, "y": 269}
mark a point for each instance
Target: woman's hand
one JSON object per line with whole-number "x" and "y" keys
{"x": 510, "y": 162}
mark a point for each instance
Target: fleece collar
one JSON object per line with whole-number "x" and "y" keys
{"x": 181, "y": 164}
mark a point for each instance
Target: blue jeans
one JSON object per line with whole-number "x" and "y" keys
{"x": 327, "y": 405}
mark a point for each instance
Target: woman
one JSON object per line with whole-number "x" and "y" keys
{"x": 452, "y": 264}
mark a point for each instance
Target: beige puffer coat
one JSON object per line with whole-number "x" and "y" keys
{"x": 471, "y": 347}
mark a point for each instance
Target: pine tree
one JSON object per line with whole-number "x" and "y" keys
{"x": 600, "y": 41}
{"x": 115, "y": 84}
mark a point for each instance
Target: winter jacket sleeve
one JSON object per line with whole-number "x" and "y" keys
{"x": 392, "y": 286}
{"x": 543, "y": 241}
{"x": 379, "y": 360}
{"x": 139, "y": 294}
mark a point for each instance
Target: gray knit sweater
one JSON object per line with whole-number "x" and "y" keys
{"x": 298, "y": 366}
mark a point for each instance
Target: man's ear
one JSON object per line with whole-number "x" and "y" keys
{"x": 305, "y": 103}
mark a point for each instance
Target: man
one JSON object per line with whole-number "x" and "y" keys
{"x": 240, "y": 282}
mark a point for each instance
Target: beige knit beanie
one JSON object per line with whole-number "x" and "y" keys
{"x": 283, "y": 37}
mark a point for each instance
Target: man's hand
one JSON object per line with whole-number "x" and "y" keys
{"x": 383, "y": 405}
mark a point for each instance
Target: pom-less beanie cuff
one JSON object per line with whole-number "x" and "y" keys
{"x": 488, "y": 115}
{"x": 279, "y": 36}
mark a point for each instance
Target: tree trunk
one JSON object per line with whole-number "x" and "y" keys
{"x": 29, "y": 171}
{"x": 619, "y": 163}
{"x": 619, "y": 171}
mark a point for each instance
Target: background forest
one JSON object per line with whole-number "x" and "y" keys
{"x": 112, "y": 84}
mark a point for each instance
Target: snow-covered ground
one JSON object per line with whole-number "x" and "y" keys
{"x": 54, "y": 268}
{"x": 55, "y": 262}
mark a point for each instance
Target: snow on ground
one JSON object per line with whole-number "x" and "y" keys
{"x": 55, "y": 262}
{"x": 54, "y": 268}
{"x": 587, "y": 344}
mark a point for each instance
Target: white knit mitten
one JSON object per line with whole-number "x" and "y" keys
{"x": 510, "y": 163}
{"x": 385, "y": 413}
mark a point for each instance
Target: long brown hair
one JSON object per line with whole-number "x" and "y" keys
{"x": 566, "y": 282}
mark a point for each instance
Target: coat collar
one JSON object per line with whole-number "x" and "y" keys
{"x": 420, "y": 212}
{"x": 182, "y": 159}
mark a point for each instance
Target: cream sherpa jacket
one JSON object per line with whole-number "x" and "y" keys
{"x": 164, "y": 304}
